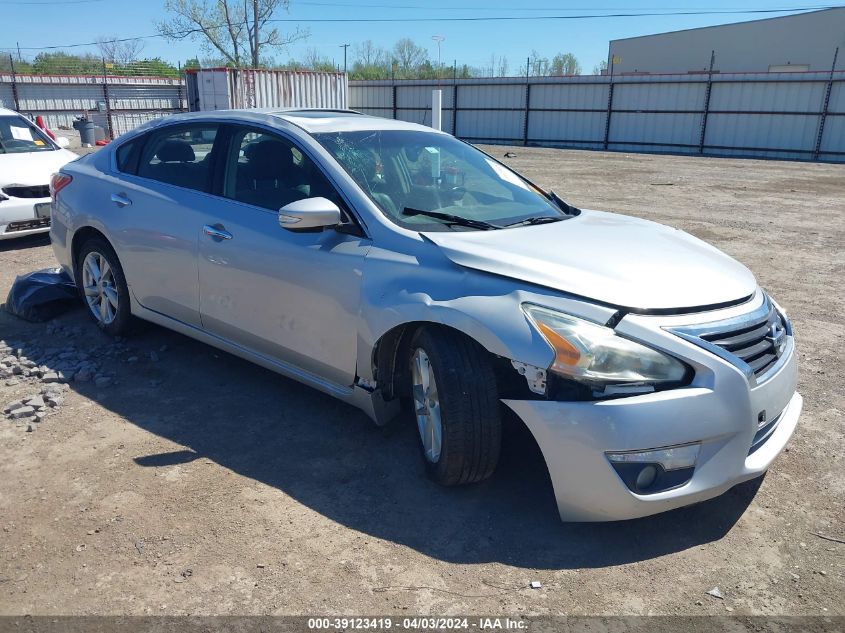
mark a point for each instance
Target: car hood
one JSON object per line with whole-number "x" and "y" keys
{"x": 32, "y": 168}
{"x": 614, "y": 259}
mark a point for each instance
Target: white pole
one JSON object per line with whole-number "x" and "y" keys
{"x": 436, "y": 109}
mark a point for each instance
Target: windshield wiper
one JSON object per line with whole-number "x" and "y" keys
{"x": 453, "y": 219}
{"x": 544, "y": 219}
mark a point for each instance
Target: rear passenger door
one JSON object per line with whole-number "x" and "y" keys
{"x": 161, "y": 200}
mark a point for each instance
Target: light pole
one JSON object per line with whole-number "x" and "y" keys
{"x": 344, "y": 47}
{"x": 438, "y": 39}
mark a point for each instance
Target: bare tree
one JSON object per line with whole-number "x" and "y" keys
{"x": 502, "y": 70}
{"x": 540, "y": 66}
{"x": 236, "y": 29}
{"x": 368, "y": 54}
{"x": 408, "y": 55}
{"x": 600, "y": 68}
{"x": 119, "y": 51}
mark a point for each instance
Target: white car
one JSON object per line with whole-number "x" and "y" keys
{"x": 28, "y": 157}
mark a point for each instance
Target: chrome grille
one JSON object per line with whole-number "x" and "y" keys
{"x": 26, "y": 191}
{"x": 757, "y": 344}
{"x": 754, "y": 342}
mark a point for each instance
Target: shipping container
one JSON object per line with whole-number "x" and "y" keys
{"x": 226, "y": 88}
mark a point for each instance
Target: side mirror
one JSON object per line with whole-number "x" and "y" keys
{"x": 310, "y": 213}
{"x": 62, "y": 141}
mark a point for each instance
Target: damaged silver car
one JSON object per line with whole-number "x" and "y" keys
{"x": 389, "y": 264}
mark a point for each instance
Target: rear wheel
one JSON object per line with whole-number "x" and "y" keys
{"x": 102, "y": 284}
{"x": 456, "y": 406}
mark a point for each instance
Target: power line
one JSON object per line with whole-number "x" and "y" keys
{"x": 499, "y": 18}
{"x": 738, "y": 9}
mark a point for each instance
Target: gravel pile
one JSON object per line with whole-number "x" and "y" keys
{"x": 48, "y": 370}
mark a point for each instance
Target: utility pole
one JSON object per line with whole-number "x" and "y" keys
{"x": 439, "y": 39}
{"x": 344, "y": 47}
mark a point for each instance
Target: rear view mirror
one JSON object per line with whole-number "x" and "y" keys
{"x": 62, "y": 141}
{"x": 310, "y": 213}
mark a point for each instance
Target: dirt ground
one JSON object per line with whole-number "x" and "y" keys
{"x": 197, "y": 483}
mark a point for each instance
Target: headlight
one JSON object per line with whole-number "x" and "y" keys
{"x": 594, "y": 354}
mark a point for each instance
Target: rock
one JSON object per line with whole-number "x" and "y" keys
{"x": 716, "y": 593}
{"x": 132, "y": 359}
{"x": 10, "y": 360}
{"x": 163, "y": 348}
{"x": 83, "y": 375}
{"x": 153, "y": 357}
{"x": 39, "y": 416}
{"x": 103, "y": 381}
{"x": 54, "y": 401}
{"x": 12, "y": 382}
{"x": 36, "y": 402}
{"x": 17, "y": 404}
{"x": 22, "y": 412}
{"x": 29, "y": 428}
{"x": 535, "y": 584}
{"x": 51, "y": 376}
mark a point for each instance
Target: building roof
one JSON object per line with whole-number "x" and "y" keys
{"x": 734, "y": 24}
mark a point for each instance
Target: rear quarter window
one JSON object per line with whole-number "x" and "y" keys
{"x": 127, "y": 156}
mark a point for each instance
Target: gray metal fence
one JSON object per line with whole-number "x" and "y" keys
{"x": 116, "y": 103}
{"x": 768, "y": 115}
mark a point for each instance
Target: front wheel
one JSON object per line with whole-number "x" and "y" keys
{"x": 456, "y": 406}
{"x": 100, "y": 280}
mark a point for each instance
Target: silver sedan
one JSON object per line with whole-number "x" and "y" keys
{"x": 388, "y": 264}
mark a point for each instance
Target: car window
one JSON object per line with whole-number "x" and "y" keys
{"x": 268, "y": 171}
{"x": 127, "y": 156}
{"x": 17, "y": 135}
{"x": 181, "y": 156}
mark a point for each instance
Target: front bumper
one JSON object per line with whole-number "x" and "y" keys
{"x": 18, "y": 217}
{"x": 720, "y": 411}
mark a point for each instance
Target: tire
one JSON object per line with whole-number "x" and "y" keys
{"x": 467, "y": 404}
{"x": 117, "y": 317}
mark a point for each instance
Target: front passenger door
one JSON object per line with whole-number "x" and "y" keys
{"x": 292, "y": 297}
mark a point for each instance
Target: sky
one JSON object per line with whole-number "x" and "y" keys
{"x": 32, "y": 24}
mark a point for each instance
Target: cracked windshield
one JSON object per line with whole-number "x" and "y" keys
{"x": 428, "y": 181}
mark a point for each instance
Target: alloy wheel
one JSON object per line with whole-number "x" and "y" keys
{"x": 426, "y": 405}
{"x": 99, "y": 286}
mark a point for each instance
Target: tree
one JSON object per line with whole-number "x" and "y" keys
{"x": 119, "y": 52}
{"x": 408, "y": 56}
{"x": 502, "y": 69}
{"x": 237, "y": 31}
{"x": 60, "y": 63}
{"x": 565, "y": 64}
{"x": 600, "y": 68}
{"x": 317, "y": 62}
{"x": 368, "y": 54}
{"x": 539, "y": 65}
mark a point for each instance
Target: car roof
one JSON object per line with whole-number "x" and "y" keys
{"x": 311, "y": 120}
{"x": 315, "y": 121}
{"x": 6, "y": 111}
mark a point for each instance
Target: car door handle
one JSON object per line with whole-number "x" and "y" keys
{"x": 120, "y": 199}
{"x": 216, "y": 232}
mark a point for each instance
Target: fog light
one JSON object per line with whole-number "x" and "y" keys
{"x": 646, "y": 477}
{"x": 656, "y": 470}
{"x": 670, "y": 458}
